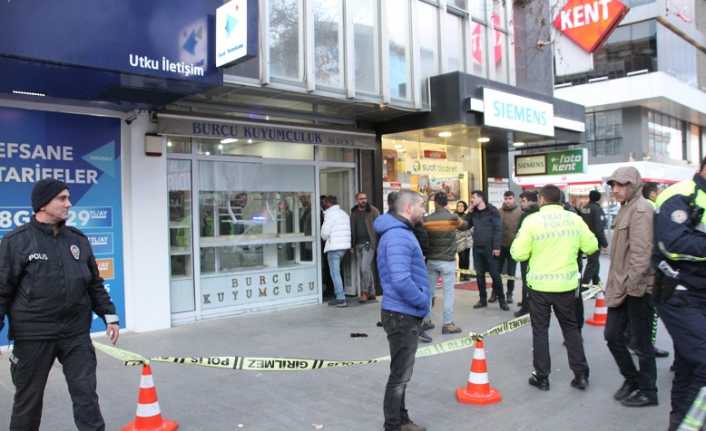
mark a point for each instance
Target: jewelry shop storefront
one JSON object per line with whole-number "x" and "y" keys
{"x": 244, "y": 211}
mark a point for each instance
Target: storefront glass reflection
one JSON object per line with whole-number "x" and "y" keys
{"x": 424, "y": 162}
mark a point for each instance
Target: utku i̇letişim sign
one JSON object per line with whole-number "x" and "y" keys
{"x": 589, "y": 22}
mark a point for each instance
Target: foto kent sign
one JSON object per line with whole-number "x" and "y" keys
{"x": 236, "y": 32}
{"x": 555, "y": 163}
{"x": 509, "y": 111}
{"x": 589, "y": 22}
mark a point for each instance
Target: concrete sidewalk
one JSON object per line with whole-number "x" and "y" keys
{"x": 351, "y": 398}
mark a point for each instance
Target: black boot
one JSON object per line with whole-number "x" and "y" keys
{"x": 493, "y": 297}
{"x": 481, "y": 304}
{"x": 541, "y": 383}
{"x": 521, "y": 312}
{"x": 640, "y": 399}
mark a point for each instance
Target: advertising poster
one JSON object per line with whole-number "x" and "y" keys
{"x": 84, "y": 152}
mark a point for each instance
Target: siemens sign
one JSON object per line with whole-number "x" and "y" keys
{"x": 508, "y": 111}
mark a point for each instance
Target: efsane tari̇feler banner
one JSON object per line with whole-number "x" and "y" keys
{"x": 84, "y": 152}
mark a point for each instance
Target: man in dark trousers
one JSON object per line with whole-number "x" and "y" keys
{"x": 364, "y": 241}
{"x": 510, "y": 214}
{"x": 594, "y": 217}
{"x": 680, "y": 257}
{"x": 487, "y": 236}
{"x": 529, "y": 202}
{"x": 405, "y": 301}
{"x": 551, "y": 240}
{"x": 49, "y": 287}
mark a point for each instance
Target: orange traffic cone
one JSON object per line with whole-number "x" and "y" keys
{"x": 148, "y": 417}
{"x": 600, "y": 312}
{"x": 478, "y": 390}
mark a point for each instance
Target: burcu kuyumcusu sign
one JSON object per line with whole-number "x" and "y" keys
{"x": 588, "y": 23}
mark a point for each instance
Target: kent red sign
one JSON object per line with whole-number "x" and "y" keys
{"x": 589, "y": 22}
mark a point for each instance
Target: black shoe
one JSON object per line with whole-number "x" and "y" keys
{"x": 580, "y": 382}
{"x": 480, "y": 304}
{"x": 521, "y": 312}
{"x": 659, "y": 353}
{"x": 424, "y": 337}
{"x": 625, "y": 390}
{"x": 411, "y": 426}
{"x": 503, "y": 306}
{"x": 640, "y": 399}
{"x": 493, "y": 298}
{"x": 541, "y": 383}
{"x": 337, "y": 303}
{"x": 427, "y": 325}
{"x": 520, "y": 304}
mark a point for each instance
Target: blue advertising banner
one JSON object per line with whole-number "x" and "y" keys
{"x": 84, "y": 152}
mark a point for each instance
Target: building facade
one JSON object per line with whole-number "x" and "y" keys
{"x": 645, "y": 95}
{"x": 200, "y": 185}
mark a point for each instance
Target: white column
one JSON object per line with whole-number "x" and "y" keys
{"x": 147, "y": 301}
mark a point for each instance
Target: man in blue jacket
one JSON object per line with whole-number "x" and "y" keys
{"x": 405, "y": 301}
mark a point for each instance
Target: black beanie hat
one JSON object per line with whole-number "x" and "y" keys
{"x": 594, "y": 196}
{"x": 45, "y": 190}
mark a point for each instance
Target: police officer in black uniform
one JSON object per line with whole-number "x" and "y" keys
{"x": 49, "y": 286}
{"x": 680, "y": 256}
{"x": 594, "y": 217}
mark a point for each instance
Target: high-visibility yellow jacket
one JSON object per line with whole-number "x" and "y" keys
{"x": 551, "y": 239}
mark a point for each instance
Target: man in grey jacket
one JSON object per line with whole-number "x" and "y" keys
{"x": 629, "y": 289}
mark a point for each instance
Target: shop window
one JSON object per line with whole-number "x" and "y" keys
{"x": 286, "y": 50}
{"x": 461, "y": 4}
{"x": 180, "y": 234}
{"x": 454, "y": 42}
{"x": 499, "y": 15}
{"x": 693, "y": 145}
{"x": 477, "y": 10}
{"x": 397, "y": 18}
{"x": 334, "y": 154}
{"x": 677, "y": 56}
{"x": 665, "y": 136}
{"x": 253, "y": 217}
{"x": 328, "y": 42}
{"x": 254, "y": 148}
{"x": 604, "y": 132}
{"x": 498, "y": 48}
{"x": 432, "y": 164}
{"x": 630, "y": 48}
{"x": 478, "y": 50}
{"x": 427, "y": 34}
{"x": 176, "y": 145}
{"x": 365, "y": 41}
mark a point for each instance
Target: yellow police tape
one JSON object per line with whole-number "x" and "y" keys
{"x": 254, "y": 363}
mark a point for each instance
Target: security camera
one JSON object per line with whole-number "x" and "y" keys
{"x": 130, "y": 118}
